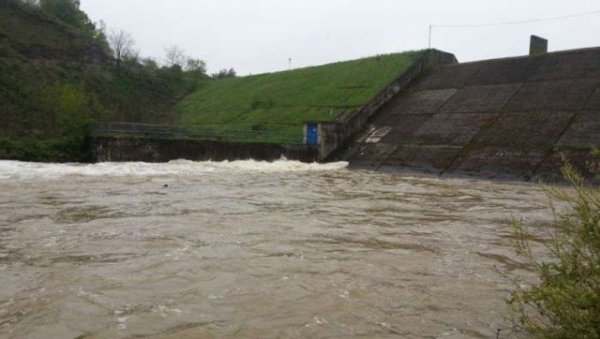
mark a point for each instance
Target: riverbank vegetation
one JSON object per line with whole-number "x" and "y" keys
{"x": 566, "y": 301}
{"x": 58, "y": 72}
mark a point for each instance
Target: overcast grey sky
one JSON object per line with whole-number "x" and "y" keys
{"x": 257, "y": 36}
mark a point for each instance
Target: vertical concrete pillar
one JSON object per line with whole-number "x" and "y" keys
{"x": 305, "y": 139}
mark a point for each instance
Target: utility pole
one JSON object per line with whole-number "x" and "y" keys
{"x": 290, "y": 63}
{"x": 430, "y": 33}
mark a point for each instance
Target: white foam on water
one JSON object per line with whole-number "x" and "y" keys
{"x": 17, "y": 170}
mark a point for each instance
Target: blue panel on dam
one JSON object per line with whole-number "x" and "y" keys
{"x": 312, "y": 134}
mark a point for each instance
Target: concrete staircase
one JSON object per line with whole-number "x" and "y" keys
{"x": 507, "y": 117}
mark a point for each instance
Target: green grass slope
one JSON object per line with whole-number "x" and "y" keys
{"x": 284, "y": 101}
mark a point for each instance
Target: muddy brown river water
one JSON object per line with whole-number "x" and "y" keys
{"x": 257, "y": 250}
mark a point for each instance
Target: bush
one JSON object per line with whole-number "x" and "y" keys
{"x": 71, "y": 147}
{"x": 566, "y": 301}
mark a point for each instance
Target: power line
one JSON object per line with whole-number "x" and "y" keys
{"x": 564, "y": 17}
{"x": 509, "y": 23}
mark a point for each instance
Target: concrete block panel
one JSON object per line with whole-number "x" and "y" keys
{"x": 421, "y": 102}
{"x": 403, "y": 126}
{"x": 452, "y": 76}
{"x": 451, "y": 129}
{"x": 565, "y": 95}
{"x": 594, "y": 102}
{"x": 422, "y": 156}
{"x": 511, "y": 117}
{"x": 480, "y": 99}
{"x": 507, "y": 161}
{"x": 371, "y": 154}
{"x": 505, "y": 71}
{"x": 377, "y": 134}
{"x": 581, "y": 159}
{"x": 569, "y": 65}
{"x": 525, "y": 130}
{"x": 583, "y": 133}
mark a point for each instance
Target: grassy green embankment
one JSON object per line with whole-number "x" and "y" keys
{"x": 56, "y": 77}
{"x": 284, "y": 101}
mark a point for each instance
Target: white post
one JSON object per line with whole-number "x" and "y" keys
{"x": 430, "y": 33}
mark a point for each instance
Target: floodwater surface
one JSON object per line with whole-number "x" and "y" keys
{"x": 258, "y": 250}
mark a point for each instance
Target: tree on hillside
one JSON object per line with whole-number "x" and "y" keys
{"x": 175, "y": 56}
{"x": 122, "y": 44}
{"x": 31, "y": 2}
{"x": 67, "y": 11}
{"x": 150, "y": 64}
{"x": 224, "y": 74}
{"x": 196, "y": 68}
{"x": 100, "y": 35}
{"x": 195, "y": 65}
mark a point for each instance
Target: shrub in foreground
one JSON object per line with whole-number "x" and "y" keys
{"x": 566, "y": 301}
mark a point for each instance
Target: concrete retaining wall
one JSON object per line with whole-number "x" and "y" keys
{"x": 336, "y": 135}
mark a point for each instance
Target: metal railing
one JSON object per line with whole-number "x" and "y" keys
{"x": 150, "y": 131}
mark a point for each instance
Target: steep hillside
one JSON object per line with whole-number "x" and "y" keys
{"x": 54, "y": 79}
{"x": 28, "y": 33}
{"x": 284, "y": 101}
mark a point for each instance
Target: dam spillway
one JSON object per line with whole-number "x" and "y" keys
{"x": 512, "y": 117}
{"x": 515, "y": 117}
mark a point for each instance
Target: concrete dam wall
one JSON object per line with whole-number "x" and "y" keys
{"x": 125, "y": 149}
{"x": 514, "y": 117}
